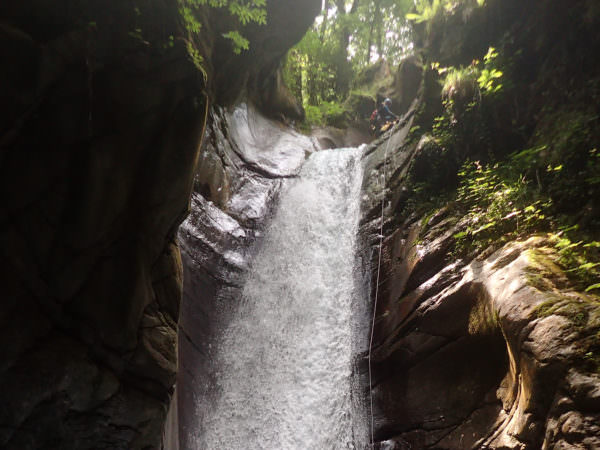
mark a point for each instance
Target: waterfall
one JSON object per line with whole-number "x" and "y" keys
{"x": 284, "y": 375}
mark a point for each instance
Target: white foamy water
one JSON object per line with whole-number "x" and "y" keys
{"x": 284, "y": 361}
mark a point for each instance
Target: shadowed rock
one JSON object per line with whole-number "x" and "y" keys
{"x": 100, "y": 126}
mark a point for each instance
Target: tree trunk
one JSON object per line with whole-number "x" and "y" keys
{"x": 377, "y": 18}
{"x": 343, "y": 68}
{"x": 370, "y": 41}
{"x": 324, "y": 23}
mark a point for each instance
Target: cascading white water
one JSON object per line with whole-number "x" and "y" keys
{"x": 284, "y": 363}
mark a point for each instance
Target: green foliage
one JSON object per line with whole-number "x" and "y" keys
{"x": 489, "y": 75}
{"x": 192, "y": 24}
{"x": 564, "y": 160}
{"x": 314, "y": 116}
{"x": 479, "y": 78}
{"x": 581, "y": 259}
{"x": 245, "y": 11}
{"x": 347, "y": 37}
{"x": 249, "y": 11}
{"x": 238, "y": 41}
{"x": 497, "y": 206}
{"x": 309, "y": 70}
{"x": 426, "y": 10}
{"x": 461, "y": 84}
{"x": 326, "y": 113}
{"x": 432, "y": 12}
{"x": 499, "y": 203}
{"x": 195, "y": 56}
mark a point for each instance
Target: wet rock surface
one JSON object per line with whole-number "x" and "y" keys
{"x": 243, "y": 163}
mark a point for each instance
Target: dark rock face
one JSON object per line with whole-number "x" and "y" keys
{"x": 100, "y": 127}
{"x": 98, "y": 144}
{"x": 407, "y": 82}
{"x": 254, "y": 74}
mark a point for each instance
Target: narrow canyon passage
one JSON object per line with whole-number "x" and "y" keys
{"x": 284, "y": 362}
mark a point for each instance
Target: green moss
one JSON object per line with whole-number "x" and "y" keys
{"x": 538, "y": 281}
{"x": 544, "y": 274}
{"x": 433, "y": 13}
{"x": 583, "y": 312}
{"x": 574, "y": 309}
{"x": 482, "y": 320}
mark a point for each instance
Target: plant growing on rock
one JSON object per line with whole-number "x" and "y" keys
{"x": 433, "y": 12}
{"x": 245, "y": 11}
{"x": 497, "y": 207}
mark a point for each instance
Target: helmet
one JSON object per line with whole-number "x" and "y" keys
{"x": 387, "y": 102}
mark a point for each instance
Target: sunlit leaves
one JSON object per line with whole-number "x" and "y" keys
{"x": 249, "y": 11}
{"x": 593, "y": 287}
{"x": 488, "y": 80}
{"x": 580, "y": 259}
{"x": 238, "y": 41}
{"x": 245, "y": 11}
{"x": 497, "y": 205}
{"x": 374, "y": 29}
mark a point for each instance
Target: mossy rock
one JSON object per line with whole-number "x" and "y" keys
{"x": 545, "y": 274}
{"x": 360, "y": 103}
{"x": 375, "y": 75}
{"x": 433, "y": 165}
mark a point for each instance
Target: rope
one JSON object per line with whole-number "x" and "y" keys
{"x": 377, "y": 282}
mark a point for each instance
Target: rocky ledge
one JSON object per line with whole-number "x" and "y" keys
{"x": 491, "y": 354}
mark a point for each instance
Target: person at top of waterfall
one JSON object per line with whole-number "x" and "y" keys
{"x": 382, "y": 115}
{"x": 385, "y": 112}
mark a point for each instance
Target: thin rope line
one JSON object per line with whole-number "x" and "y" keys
{"x": 377, "y": 282}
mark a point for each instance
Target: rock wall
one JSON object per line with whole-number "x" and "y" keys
{"x": 487, "y": 352}
{"x": 101, "y": 121}
{"x": 466, "y": 355}
{"x": 99, "y": 139}
{"x": 493, "y": 349}
{"x": 254, "y": 74}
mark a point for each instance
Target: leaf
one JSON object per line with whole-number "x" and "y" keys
{"x": 511, "y": 215}
{"x": 239, "y": 42}
{"x": 485, "y": 227}
{"x": 592, "y": 287}
{"x": 415, "y": 17}
{"x": 588, "y": 266}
